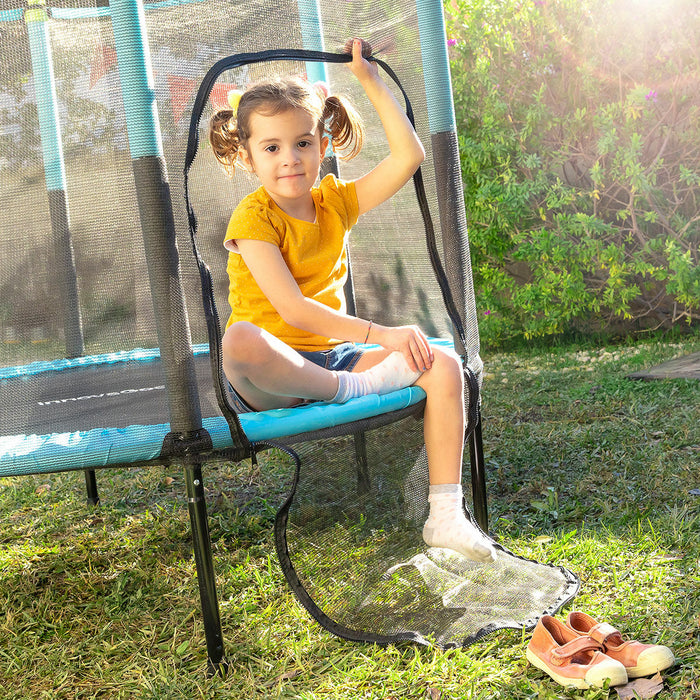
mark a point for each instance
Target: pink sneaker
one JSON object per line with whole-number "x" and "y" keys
{"x": 637, "y": 658}
{"x": 570, "y": 658}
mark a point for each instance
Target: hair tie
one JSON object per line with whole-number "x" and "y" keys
{"x": 233, "y": 98}
{"x": 323, "y": 88}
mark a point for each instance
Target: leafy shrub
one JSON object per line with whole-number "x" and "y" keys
{"x": 579, "y": 125}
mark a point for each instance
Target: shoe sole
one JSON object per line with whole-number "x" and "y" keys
{"x": 579, "y": 683}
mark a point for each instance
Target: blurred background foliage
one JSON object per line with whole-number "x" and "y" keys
{"x": 579, "y": 125}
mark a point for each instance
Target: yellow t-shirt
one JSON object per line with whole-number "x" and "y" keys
{"x": 314, "y": 253}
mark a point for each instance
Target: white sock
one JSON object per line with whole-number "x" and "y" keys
{"x": 448, "y": 527}
{"x": 390, "y": 374}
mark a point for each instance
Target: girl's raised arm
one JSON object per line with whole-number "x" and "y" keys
{"x": 406, "y": 152}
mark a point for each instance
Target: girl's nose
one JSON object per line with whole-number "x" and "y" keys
{"x": 292, "y": 156}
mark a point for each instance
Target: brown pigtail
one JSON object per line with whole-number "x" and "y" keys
{"x": 229, "y": 129}
{"x": 225, "y": 139}
{"x": 344, "y": 125}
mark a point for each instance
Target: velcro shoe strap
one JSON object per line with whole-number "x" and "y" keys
{"x": 601, "y": 632}
{"x": 561, "y": 655}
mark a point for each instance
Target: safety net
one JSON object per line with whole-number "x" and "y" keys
{"x": 105, "y": 346}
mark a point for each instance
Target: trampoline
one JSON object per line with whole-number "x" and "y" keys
{"x": 113, "y": 213}
{"x": 111, "y": 410}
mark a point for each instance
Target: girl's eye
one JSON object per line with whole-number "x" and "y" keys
{"x": 271, "y": 148}
{"x": 304, "y": 144}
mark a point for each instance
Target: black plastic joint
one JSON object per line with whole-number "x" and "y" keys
{"x": 178, "y": 446}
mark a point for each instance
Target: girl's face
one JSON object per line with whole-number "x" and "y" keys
{"x": 285, "y": 151}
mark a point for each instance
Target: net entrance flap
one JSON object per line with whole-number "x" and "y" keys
{"x": 350, "y": 544}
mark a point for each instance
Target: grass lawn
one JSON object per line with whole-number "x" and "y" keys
{"x": 586, "y": 468}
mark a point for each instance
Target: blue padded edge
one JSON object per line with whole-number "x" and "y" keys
{"x": 135, "y": 355}
{"x": 108, "y": 358}
{"x": 92, "y": 449}
{"x": 93, "y": 12}
{"x": 11, "y": 15}
{"x": 281, "y": 422}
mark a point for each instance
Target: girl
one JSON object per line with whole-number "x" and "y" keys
{"x": 287, "y": 266}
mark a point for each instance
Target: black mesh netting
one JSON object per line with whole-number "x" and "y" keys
{"x": 355, "y": 556}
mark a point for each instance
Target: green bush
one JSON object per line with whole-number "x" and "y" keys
{"x": 579, "y": 125}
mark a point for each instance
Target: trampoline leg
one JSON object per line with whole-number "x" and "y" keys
{"x": 476, "y": 456}
{"x": 93, "y": 498}
{"x": 205, "y": 567}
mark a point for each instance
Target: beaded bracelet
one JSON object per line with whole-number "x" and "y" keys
{"x": 369, "y": 328}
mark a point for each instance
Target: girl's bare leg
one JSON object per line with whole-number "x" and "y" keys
{"x": 443, "y": 420}
{"x": 267, "y": 373}
{"x": 443, "y": 426}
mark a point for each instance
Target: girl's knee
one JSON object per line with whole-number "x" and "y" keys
{"x": 447, "y": 361}
{"x": 242, "y": 342}
{"x": 446, "y": 371}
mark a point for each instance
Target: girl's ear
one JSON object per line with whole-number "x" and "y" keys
{"x": 324, "y": 146}
{"x": 244, "y": 157}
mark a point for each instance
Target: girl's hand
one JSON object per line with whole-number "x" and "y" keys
{"x": 410, "y": 341}
{"x": 360, "y": 66}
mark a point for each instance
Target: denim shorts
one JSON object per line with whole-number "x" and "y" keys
{"x": 342, "y": 357}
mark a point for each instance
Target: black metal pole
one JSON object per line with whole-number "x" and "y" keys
{"x": 205, "y": 566}
{"x": 93, "y": 497}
